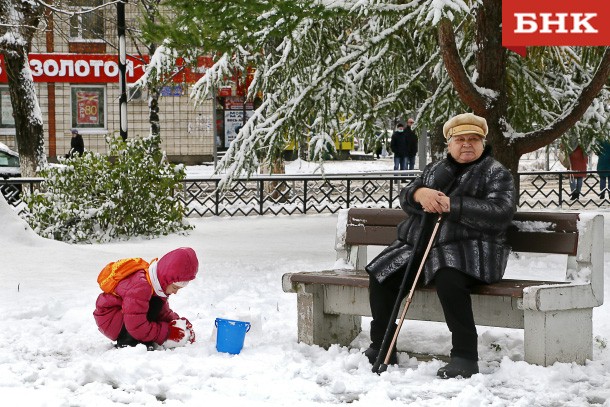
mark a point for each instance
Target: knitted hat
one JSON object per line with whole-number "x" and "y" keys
{"x": 178, "y": 266}
{"x": 466, "y": 123}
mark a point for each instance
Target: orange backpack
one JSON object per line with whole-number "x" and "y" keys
{"x": 114, "y": 272}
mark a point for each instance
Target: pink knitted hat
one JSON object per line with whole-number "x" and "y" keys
{"x": 178, "y": 266}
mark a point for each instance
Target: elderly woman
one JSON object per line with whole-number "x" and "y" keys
{"x": 475, "y": 195}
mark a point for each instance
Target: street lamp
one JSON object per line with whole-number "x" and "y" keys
{"x": 120, "y": 9}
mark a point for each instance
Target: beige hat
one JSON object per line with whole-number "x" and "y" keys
{"x": 465, "y": 123}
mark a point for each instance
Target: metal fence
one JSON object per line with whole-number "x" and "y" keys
{"x": 310, "y": 194}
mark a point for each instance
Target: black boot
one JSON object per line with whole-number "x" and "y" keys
{"x": 575, "y": 195}
{"x": 602, "y": 195}
{"x": 371, "y": 353}
{"x": 458, "y": 367}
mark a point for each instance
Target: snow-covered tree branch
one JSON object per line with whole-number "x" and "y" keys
{"x": 325, "y": 67}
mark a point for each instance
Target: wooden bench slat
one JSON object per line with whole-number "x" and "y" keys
{"x": 333, "y": 277}
{"x": 542, "y": 242}
{"x": 371, "y": 235}
{"x": 375, "y": 217}
{"x": 349, "y": 278}
{"x": 563, "y": 222}
{"x": 378, "y": 227}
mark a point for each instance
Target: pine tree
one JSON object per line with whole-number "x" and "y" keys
{"x": 326, "y": 68}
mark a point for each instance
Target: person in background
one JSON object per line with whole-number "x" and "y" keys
{"x": 138, "y": 312}
{"x": 578, "y": 162}
{"x": 475, "y": 195}
{"x": 602, "y": 149}
{"x": 77, "y": 145}
{"x": 399, "y": 146}
{"x": 411, "y": 144}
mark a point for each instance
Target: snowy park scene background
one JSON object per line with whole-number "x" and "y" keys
{"x": 306, "y": 74}
{"x": 53, "y": 355}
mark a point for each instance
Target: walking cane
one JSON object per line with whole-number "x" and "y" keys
{"x": 379, "y": 367}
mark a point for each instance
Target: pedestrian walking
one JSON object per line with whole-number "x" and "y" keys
{"x": 399, "y": 146}
{"x": 411, "y": 144}
{"x": 578, "y": 162}
{"x": 602, "y": 149}
{"x": 77, "y": 145}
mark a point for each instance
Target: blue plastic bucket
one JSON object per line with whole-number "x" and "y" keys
{"x": 230, "y": 335}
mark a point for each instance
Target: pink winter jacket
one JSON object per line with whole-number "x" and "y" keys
{"x": 130, "y": 305}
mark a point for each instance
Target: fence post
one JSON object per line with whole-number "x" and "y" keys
{"x": 261, "y": 187}
{"x": 217, "y": 195}
{"x": 304, "y": 196}
{"x": 349, "y": 185}
{"x": 561, "y": 190}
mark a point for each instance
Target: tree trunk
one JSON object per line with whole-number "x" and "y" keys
{"x": 275, "y": 190}
{"x": 438, "y": 144}
{"x": 18, "y": 22}
{"x": 153, "y": 110}
{"x": 26, "y": 110}
{"x": 154, "y": 92}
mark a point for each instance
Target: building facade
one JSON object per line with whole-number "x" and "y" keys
{"x": 75, "y": 69}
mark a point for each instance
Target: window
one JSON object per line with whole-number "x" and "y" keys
{"x": 6, "y": 109}
{"x": 86, "y": 25}
{"x": 88, "y": 105}
{"x": 136, "y": 95}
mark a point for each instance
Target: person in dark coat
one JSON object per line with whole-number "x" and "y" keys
{"x": 398, "y": 144}
{"x": 602, "y": 149}
{"x": 77, "y": 145}
{"x": 475, "y": 194}
{"x": 411, "y": 144}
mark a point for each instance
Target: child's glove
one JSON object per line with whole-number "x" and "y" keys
{"x": 179, "y": 334}
{"x": 190, "y": 331}
{"x": 188, "y": 323}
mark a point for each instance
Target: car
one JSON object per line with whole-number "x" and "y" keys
{"x": 9, "y": 168}
{"x": 9, "y": 162}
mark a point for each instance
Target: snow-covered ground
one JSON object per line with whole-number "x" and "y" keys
{"x": 51, "y": 353}
{"x": 530, "y": 162}
{"x": 308, "y": 167}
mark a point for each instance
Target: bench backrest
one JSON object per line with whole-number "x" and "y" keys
{"x": 535, "y": 232}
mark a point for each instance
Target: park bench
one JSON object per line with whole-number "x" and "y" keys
{"x": 556, "y": 316}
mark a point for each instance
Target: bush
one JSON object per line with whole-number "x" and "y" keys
{"x": 97, "y": 198}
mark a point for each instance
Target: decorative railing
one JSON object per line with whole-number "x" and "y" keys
{"x": 307, "y": 194}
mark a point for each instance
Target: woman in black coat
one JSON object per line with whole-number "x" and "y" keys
{"x": 77, "y": 145}
{"x": 475, "y": 195}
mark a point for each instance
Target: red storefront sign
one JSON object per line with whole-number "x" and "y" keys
{"x": 555, "y": 23}
{"x": 96, "y": 68}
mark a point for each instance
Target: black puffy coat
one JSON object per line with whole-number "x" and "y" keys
{"x": 471, "y": 237}
{"x": 404, "y": 143}
{"x": 77, "y": 145}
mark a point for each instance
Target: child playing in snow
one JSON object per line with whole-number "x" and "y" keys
{"x": 137, "y": 310}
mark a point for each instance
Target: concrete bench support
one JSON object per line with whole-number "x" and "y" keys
{"x": 319, "y": 327}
